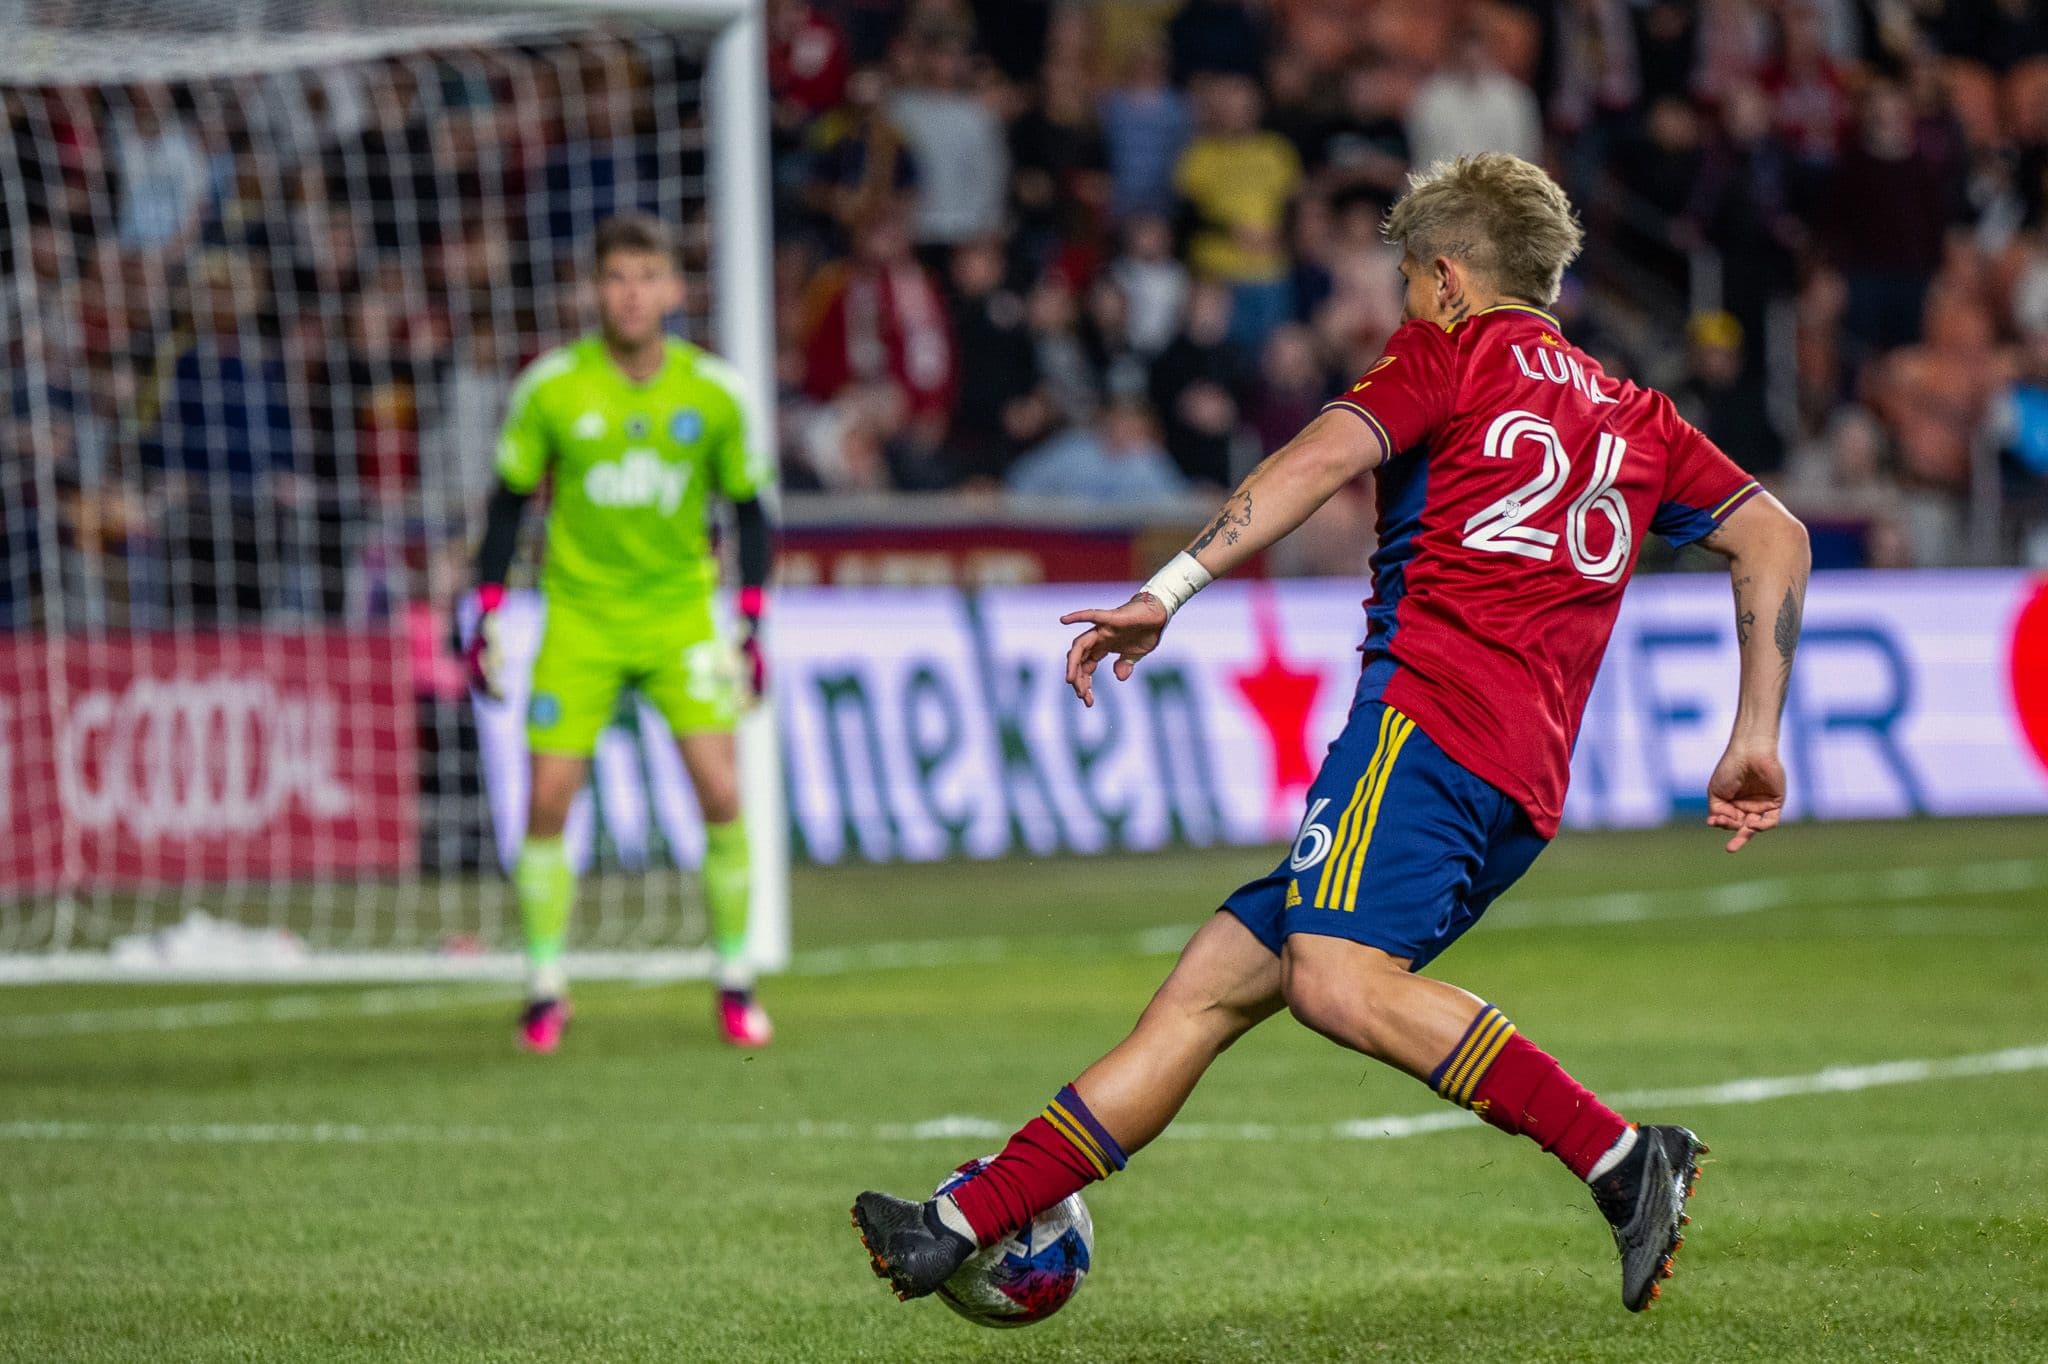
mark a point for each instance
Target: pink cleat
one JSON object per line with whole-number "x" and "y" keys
{"x": 542, "y": 1024}
{"x": 744, "y": 1022}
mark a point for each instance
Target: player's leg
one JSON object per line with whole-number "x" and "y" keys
{"x": 712, "y": 759}
{"x": 575, "y": 686}
{"x": 691, "y": 676}
{"x": 1226, "y": 981}
{"x": 1425, "y": 849}
{"x": 1464, "y": 1048}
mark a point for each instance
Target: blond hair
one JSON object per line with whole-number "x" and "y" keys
{"x": 1505, "y": 218}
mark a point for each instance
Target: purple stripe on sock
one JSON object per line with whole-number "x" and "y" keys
{"x": 1436, "y": 1077}
{"x": 1071, "y": 1101}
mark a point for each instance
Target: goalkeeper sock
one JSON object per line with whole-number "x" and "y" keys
{"x": 726, "y": 884}
{"x": 1518, "y": 1087}
{"x": 1059, "y": 1152}
{"x": 546, "y": 885}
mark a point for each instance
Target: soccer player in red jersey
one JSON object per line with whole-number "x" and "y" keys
{"x": 1515, "y": 482}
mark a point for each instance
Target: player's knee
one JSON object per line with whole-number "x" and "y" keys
{"x": 1338, "y": 1003}
{"x": 548, "y": 814}
{"x": 720, "y": 801}
{"x": 547, "y": 808}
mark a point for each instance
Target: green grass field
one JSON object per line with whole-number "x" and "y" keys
{"x": 335, "y": 1174}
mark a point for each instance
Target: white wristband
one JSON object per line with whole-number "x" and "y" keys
{"x": 1172, "y": 585}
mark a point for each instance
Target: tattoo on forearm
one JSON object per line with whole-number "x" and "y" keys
{"x": 1786, "y": 631}
{"x": 1745, "y": 618}
{"x": 1235, "y": 516}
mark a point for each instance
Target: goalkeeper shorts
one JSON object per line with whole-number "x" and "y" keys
{"x": 678, "y": 663}
{"x": 1402, "y": 849}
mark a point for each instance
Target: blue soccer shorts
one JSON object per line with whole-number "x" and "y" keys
{"x": 1401, "y": 849}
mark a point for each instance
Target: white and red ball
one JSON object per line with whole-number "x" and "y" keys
{"x": 1028, "y": 1276}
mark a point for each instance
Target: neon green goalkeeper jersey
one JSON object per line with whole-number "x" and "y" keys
{"x": 634, "y": 468}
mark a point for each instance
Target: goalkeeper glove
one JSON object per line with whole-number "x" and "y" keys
{"x": 753, "y": 603}
{"x": 482, "y": 653}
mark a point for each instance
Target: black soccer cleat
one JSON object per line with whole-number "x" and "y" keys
{"x": 1643, "y": 1199}
{"x": 907, "y": 1244}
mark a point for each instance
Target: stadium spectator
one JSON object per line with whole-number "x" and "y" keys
{"x": 809, "y": 62}
{"x": 962, "y": 156}
{"x": 1934, "y": 397}
{"x": 1236, "y": 180}
{"x": 1472, "y": 105}
{"x": 1291, "y": 388}
{"x": 1216, "y": 36}
{"x": 1845, "y": 472}
{"x": 1116, "y": 461}
{"x": 1808, "y": 92}
{"x": 860, "y": 159}
{"x": 1597, "y": 86}
{"x": 1154, "y": 282}
{"x": 880, "y": 318}
{"x": 1887, "y": 258}
{"x": 1655, "y": 171}
{"x": 1145, "y": 124}
{"x": 856, "y": 444}
{"x": 162, "y": 171}
{"x": 1197, "y": 388}
{"x": 600, "y": 172}
{"x": 1001, "y": 406}
{"x": 1060, "y": 189}
{"x": 224, "y": 447}
{"x": 1363, "y": 146}
{"x": 1741, "y": 206}
{"x": 1062, "y": 360}
{"x": 1725, "y": 398}
{"x": 1119, "y": 368}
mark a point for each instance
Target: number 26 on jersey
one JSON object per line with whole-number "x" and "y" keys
{"x": 1503, "y": 527}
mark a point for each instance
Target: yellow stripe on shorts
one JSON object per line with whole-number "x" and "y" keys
{"x": 1403, "y": 727}
{"x": 1333, "y": 875}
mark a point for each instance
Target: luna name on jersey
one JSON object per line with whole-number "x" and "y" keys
{"x": 1560, "y": 368}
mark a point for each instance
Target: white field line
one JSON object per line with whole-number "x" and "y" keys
{"x": 224, "y": 1013}
{"x": 957, "y": 1127}
{"x": 1892, "y": 886}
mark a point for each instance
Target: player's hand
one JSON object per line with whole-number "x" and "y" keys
{"x": 482, "y": 654}
{"x": 1129, "y": 631}
{"x": 1746, "y": 793}
{"x": 752, "y": 604}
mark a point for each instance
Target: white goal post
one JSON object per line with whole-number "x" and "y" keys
{"x": 266, "y": 270}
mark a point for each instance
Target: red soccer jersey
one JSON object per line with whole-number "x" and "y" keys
{"x": 1511, "y": 509}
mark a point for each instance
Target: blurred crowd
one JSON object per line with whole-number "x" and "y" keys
{"x": 267, "y": 323}
{"x": 1120, "y": 250}
{"x": 258, "y": 329}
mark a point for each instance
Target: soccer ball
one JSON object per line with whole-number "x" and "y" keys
{"x": 1029, "y": 1275}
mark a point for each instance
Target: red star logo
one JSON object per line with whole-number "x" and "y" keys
{"x": 1283, "y": 697}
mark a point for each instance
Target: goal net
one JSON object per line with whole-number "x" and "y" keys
{"x": 267, "y": 268}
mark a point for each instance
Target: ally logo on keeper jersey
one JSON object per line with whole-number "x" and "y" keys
{"x": 639, "y": 478}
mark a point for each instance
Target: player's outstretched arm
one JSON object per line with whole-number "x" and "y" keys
{"x": 1274, "y": 498}
{"x": 1768, "y": 563}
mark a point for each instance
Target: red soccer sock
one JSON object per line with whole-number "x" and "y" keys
{"x": 1515, "y": 1085}
{"x": 1057, "y": 1153}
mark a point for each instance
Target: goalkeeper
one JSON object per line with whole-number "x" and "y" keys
{"x": 638, "y": 431}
